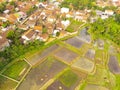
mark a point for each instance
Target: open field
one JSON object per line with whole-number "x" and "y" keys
{"x": 84, "y": 64}
{"x": 17, "y": 70}
{"x": 75, "y": 42}
{"x": 36, "y": 58}
{"x": 67, "y": 81}
{"x": 66, "y": 55}
{"x": 90, "y": 54}
{"x": 113, "y": 65}
{"x": 41, "y": 74}
{"x": 6, "y": 84}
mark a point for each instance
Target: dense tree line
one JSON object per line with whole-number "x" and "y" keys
{"x": 77, "y": 4}
{"x": 108, "y": 28}
{"x": 16, "y": 48}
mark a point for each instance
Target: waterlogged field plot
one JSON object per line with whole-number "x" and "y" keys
{"x": 90, "y": 54}
{"x": 41, "y": 74}
{"x": 66, "y": 55}
{"x": 84, "y": 65}
{"x": 67, "y": 81}
{"x": 7, "y": 84}
{"x": 17, "y": 70}
{"x": 75, "y": 41}
{"x": 113, "y": 65}
{"x": 41, "y": 55}
{"x": 95, "y": 87}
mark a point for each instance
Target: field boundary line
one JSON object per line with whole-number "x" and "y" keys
{"x": 27, "y": 62}
{"x": 22, "y": 78}
{"x": 9, "y": 78}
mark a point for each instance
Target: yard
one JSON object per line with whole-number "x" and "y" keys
{"x": 6, "y": 84}
{"x": 16, "y": 70}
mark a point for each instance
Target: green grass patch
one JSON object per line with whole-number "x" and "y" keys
{"x": 73, "y": 26}
{"x": 101, "y": 77}
{"x": 68, "y": 78}
{"x": 6, "y": 84}
{"x": 117, "y": 87}
{"x": 16, "y": 70}
{"x": 83, "y": 85}
{"x": 118, "y": 56}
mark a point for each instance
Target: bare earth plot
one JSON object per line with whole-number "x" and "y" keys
{"x": 57, "y": 85}
{"x": 84, "y": 64}
{"x": 7, "y": 84}
{"x": 67, "y": 81}
{"x": 90, "y": 54}
{"x": 66, "y": 55}
{"x": 95, "y": 87}
{"x": 113, "y": 65}
{"x": 75, "y": 42}
{"x": 84, "y": 36}
{"x": 17, "y": 70}
{"x": 41, "y": 74}
{"x": 41, "y": 55}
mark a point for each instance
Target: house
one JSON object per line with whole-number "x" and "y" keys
{"x": 20, "y": 16}
{"x": 6, "y": 11}
{"x": 59, "y": 26}
{"x": 69, "y": 15}
{"x": 63, "y": 33}
{"x": 29, "y": 35}
{"x": 23, "y": 27}
{"x": 64, "y": 10}
{"x": 11, "y": 18}
{"x": 4, "y": 42}
{"x": 31, "y": 23}
{"x": 51, "y": 19}
{"x": 65, "y": 23}
{"x": 109, "y": 12}
{"x": 116, "y": 2}
{"x": 38, "y": 28}
{"x": 104, "y": 16}
{"x": 44, "y": 37}
{"x": 78, "y": 17}
{"x": 42, "y": 5}
{"x": 55, "y": 32}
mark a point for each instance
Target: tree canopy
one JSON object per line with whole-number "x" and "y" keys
{"x": 108, "y": 28}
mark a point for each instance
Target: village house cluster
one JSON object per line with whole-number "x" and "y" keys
{"x": 47, "y": 21}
